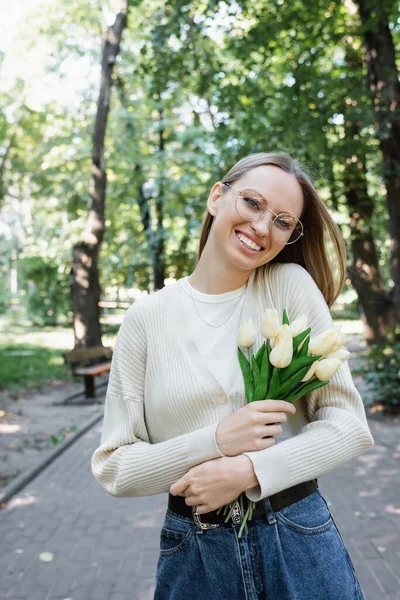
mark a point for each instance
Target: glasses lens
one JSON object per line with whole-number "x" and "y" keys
{"x": 250, "y": 205}
{"x": 286, "y": 228}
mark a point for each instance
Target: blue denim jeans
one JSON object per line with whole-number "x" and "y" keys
{"x": 296, "y": 553}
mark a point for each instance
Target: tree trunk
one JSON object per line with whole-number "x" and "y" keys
{"x": 375, "y": 305}
{"x": 158, "y": 248}
{"x": 84, "y": 275}
{"x": 385, "y": 90}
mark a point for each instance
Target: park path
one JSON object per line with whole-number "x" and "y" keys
{"x": 106, "y": 548}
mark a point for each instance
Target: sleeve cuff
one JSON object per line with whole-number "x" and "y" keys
{"x": 272, "y": 479}
{"x": 202, "y": 444}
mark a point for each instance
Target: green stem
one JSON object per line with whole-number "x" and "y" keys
{"x": 247, "y": 517}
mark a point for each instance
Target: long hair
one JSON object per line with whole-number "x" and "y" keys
{"x": 321, "y": 250}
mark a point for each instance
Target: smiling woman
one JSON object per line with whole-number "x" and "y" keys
{"x": 176, "y": 417}
{"x": 280, "y": 185}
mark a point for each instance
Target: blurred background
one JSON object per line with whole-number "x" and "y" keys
{"x": 116, "y": 119}
{"x": 114, "y": 128}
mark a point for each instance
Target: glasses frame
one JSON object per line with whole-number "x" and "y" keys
{"x": 268, "y": 209}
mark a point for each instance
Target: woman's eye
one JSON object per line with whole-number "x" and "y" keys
{"x": 282, "y": 223}
{"x": 252, "y": 203}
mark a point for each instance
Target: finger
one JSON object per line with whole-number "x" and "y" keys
{"x": 271, "y": 429}
{"x": 272, "y": 417}
{"x": 191, "y": 500}
{"x": 202, "y": 509}
{"x": 178, "y": 487}
{"x": 279, "y": 405}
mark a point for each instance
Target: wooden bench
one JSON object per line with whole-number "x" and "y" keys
{"x": 89, "y": 362}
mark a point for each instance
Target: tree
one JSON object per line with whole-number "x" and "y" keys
{"x": 384, "y": 85}
{"x": 84, "y": 275}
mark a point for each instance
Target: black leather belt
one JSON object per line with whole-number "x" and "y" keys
{"x": 178, "y": 505}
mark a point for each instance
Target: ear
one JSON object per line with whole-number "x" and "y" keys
{"x": 214, "y": 198}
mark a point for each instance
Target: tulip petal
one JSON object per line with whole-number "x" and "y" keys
{"x": 327, "y": 367}
{"x": 270, "y": 324}
{"x": 246, "y": 336}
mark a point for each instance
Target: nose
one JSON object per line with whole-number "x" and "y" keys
{"x": 262, "y": 227}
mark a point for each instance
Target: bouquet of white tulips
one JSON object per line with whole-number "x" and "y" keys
{"x": 288, "y": 365}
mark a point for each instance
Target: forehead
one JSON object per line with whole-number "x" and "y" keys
{"x": 281, "y": 189}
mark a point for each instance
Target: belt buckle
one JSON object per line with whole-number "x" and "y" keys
{"x": 236, "y": 514}
{"x": 199, "y": 523}
{"x": 236, "y": 517}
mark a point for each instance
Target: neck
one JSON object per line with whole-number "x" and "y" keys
{"x": 212, "y": 277}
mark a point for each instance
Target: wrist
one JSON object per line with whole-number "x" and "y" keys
{"x": 216, "y": 442}
{"x": 248, "y": 475}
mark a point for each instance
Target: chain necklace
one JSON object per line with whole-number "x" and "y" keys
{"x": 228, "y": 317}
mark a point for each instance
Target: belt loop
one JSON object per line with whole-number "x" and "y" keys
{"x": 269, "y": 511}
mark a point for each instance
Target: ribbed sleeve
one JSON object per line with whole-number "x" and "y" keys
{"x": 126, "y": 463}
{"x": 338, "y": 429}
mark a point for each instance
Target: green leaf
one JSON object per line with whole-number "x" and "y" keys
{"x": 250, "y": 388}
{"x": 256, "y": 371}
{"x": 274, "y": 385}
{"x": 296, "y": 364}
{"x": 285, "y": 320}
{"x": 260, "y": 354}
{"x": 306, "y": 388}
{"x": 247, "y": 376}
{"x": 261, "y": 389}
{"x": 244, "y": 364}
{"x": 304, "y": 349}
{"x": 299, "y": 338}
{"x": 291, "y": 383}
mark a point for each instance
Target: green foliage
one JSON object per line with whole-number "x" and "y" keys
{"x": 381, "y": 370}
{"x": 216, "y": 81}
{"x": 27, "y": 367}
{"x": 48, "y": 297}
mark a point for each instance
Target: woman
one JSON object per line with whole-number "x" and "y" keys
{"x": 176, "y": 418}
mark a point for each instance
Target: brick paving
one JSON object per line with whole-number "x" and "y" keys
{"x": 106, "y": 548}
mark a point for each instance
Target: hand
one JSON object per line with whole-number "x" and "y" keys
{"x": 214, "y": 483}
{"x": 252, "y": 426}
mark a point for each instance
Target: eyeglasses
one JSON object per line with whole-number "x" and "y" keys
{"x": 252, "y": 206}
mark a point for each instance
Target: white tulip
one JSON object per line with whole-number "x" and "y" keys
{"x": 270, "y": 324}
{"x": 298, "y": 325}
{"x": 246, "y": 336}
{"x": 310, "y": 371}
{"x": 282, "y": 354}
{"x": 341, "y": 339}
{"x": 326, "y": 342}
{"x": 284, "y": 334}
{"x": 326, "y": 367}
{"x": 343, "y": 354}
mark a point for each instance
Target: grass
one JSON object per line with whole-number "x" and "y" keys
{"x": 30, "y": 367}
{"x": 31, "y": 357}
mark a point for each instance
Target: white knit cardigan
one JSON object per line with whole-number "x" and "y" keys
{"x": 163, "y": 403}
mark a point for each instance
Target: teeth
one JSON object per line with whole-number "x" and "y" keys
{"x": 247, "y": 242}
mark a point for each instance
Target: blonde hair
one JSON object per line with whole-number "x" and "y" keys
{"x": 321, "y": 250}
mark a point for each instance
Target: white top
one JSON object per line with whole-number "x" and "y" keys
{"x": 213, "y": 341}
{"x": 166, "y": 396}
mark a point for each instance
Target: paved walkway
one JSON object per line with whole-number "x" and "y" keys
{"x": 106, "y": 548}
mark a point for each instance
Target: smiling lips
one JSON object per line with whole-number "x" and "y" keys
{"x": 248, "y": 243}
